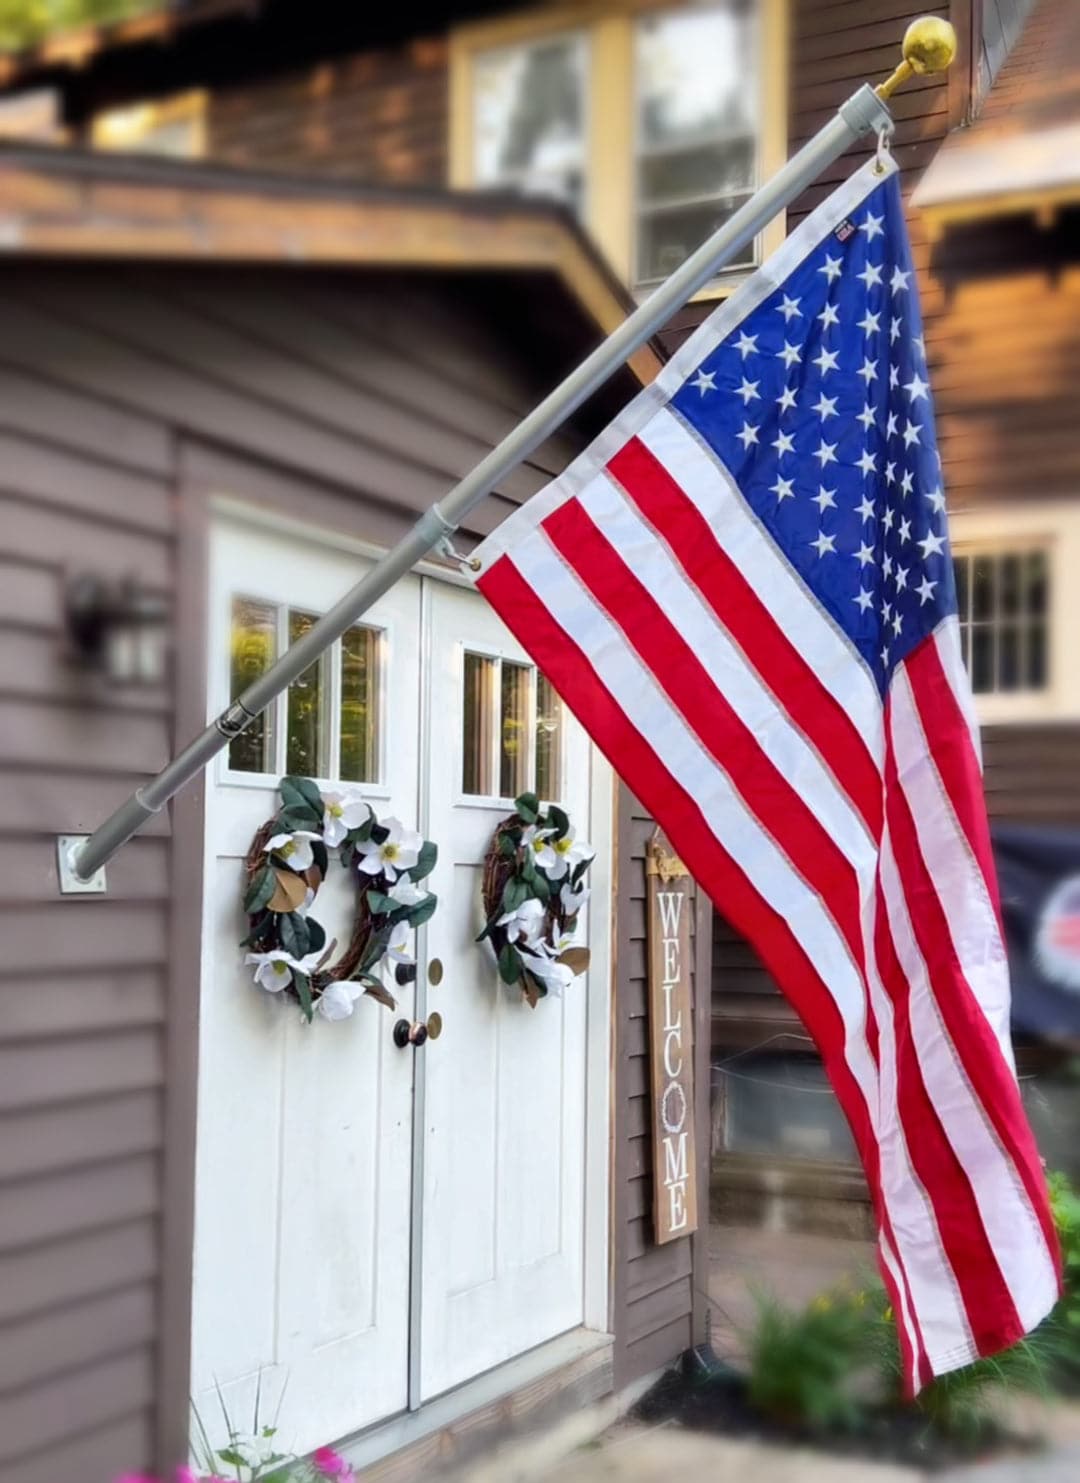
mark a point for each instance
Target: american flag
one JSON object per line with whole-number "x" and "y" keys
{"x": 744, "y": 591}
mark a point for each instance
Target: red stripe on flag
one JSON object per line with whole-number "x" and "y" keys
{"x": 956, "y": 762}
{"x": 817, "y": 714}
{"x": 973, "y": 1039}
{"x": 573, "y": 676}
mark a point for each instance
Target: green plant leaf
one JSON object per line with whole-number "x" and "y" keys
{"x": 316, "y": 935}
{"x": 260, "y": 890}
{"x": 302, "y": 984}
{"x": 559, "y": 821}
{"x": 308, "y": 791}
{"x": 425, "y": 862}
{"x": 508, "y": 843}
{"x": 422, "y": 911}
{"x": 514, "y": 893}
{"x": 579, "y": 870}
{"x": 296, "y": 816}
{"x": 294, "y": 934}
{"x": 541, "y": 887}
{"x": 379, "y": 903}
{"x": 509, "y": 964}
{"x": 321, "y": 856}
{"x": 293, "y": 800}
{"x": 232, "y": 1457}
{"x": 527, "y": 806}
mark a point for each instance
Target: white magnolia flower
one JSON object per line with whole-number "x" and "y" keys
{"x": 573, "y": 900}
{"x": 338, "y": 1000}
{"x": 274, "y": 970}
{"x": 407, "y": 893}
{"x": 526, "y": 923}
{"x": 554, "y": 976}
{"x": 399, "y": 851}
{"x": 343, "y": 811}
{"x": 397, "y": 944}
{"x": 538, "y": 841}
{"x": 294, "y": 848}
{"x": 569, "y": 852}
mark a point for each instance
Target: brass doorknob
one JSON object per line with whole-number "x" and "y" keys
{"x": 417, "y": 1033}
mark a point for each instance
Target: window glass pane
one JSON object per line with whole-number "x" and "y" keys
{"x": 982, "y": 659}
{"x": 1009, "y": 586}
{"x": 529, "y": 118}
{"x": 360, "y": 721}
{"x": 514, "y": 743}
{"x": 961, "y": 571}
{"x": 1009, "y": 657}
{"x": 982, "y": 587}
{"x": 1035, "y": 574}
{"x": 305, "y": 736}
{"x": 1035, "y": 677}
{"x": 548, "y": 740}
{"x": 784, "y": 1105}
{"x": 696, "y": 135}
{"x": 477, "y": 770}
{"x": 253, "y": 651}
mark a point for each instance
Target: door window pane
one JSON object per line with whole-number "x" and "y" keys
{"x": 1002, "y": 601}
{"x": 305, "y": 734}
{"x": 549, "y": 731}
{"x": 253, "y": 651}
{"x": 529, "y": 118}
{"x": 360, "y": 662}
{"x": 696, "y": 136}
{"x": 478, "y": 770}
{"x": 514, "y": 729}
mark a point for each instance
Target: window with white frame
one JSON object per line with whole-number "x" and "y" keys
{"x": 512, "y": 729}
{"x": 1003, "y": 601}
{"x": 696, "y": 130}
{"x": 328, "y": 724}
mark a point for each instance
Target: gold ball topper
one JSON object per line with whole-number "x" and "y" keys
{"x": 929, "y": 44}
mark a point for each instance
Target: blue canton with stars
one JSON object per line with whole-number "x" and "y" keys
{"x": 818, "y": 404}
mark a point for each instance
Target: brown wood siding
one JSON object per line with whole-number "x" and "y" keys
{"x": 125, "y": 396}
{"x": 658, "y": 1311}
{"x": 1032, "y": 773}
{"x": 378, "y": 118}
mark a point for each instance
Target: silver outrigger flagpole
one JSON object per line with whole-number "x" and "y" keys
{"x": 929, "y": 46}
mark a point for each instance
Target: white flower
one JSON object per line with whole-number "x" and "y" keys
{"x": 406, "y": 893}
{"x": 573, "y": 900}
{"x": 338, "y": 1000}
{"x": 273, "y": 971}
{"x": 537, "y": 841}
{"x": 554, "y": 976}
{"x": 396, "y": 945}
{"x": 343, "y": 811}
{"x": 570, "y": 853}
{"x": 294, "y": 848}
{"x": 526, "y": 923}
{"x": 400, "y": 850}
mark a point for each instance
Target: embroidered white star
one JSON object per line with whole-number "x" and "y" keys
{"x": 888, "y": 517}
{"x": 867, "y": 417}
{"x": 865, "y": 555}
{"x": 931, "y": 544}
{"x": 921, "y": 343}
{"x": 829, "y": 315}
{"x": 832, "y": 268}
{"x": 748, "y": 435}
{"x": 825, "y": 406}
{"x": 789, "y": 309}
{"x": 894, "y": 331}
{"x": 705, "y": 381}
{"x": 867, "y": 463}
{"x": 864, "y": 599}
{"x": 907, "y": 482}
{"x": 824, "y": 499}
{"x": 868, "y": 370}
{"x": 824, "y": 543}
{"x": 825, "y": 453}
{"x": 911, "y": 433}
{"x": 894, "y": 377}
{"x": 937, "y": 499}
{"x": 898, "y": 282}
{"x": 886, "y": 607}
{"x": 897, "y": 625}
{"x": 867, "y": 509}
{"x": 892, "y": 426}
{"x": 784, "y": 489}
{"x": 828, "y": 360}
{"x": 786, "y": 400}
{"x": 916, "y": 388}
{"x": 784, "y": 443}
{"x": 748, "y": 391}
{"x": 870, "y": 322}
{"x": 905, "y": 532}
{"x": 870, "y": 275}
{"x": 901, "y": 578}
{"x": 872, "y": 226}
{"x": 890, "y": 473}
{"x": 790, "y": 355}
{"x": 746, "y": 344}
{"x": 925, "y": 590}
{"x": 885, "y": 654}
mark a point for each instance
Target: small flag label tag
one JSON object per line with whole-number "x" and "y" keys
{"x": 844, "y": 230}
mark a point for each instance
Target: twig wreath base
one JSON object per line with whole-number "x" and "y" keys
{"x": 288, "y": 861}
{"x": 532, "y": 891}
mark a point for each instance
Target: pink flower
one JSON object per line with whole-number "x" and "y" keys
{"x": 331, "y": 1464}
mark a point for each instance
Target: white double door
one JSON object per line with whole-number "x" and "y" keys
{"x": 374, "y": 1225}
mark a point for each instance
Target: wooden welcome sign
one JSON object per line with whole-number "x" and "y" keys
{"x": 670, "y": 892}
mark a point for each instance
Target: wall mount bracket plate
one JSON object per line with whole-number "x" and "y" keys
{"x": 67, "y": 847}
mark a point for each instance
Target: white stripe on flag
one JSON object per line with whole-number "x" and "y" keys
{"x": 947, "y": 642}
{"x": 707, "y": 483}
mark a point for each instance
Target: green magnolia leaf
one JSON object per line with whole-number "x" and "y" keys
{"x": 528, "y": 867}
{"x": 514, "y": 893}
{"x": 293, "y": 800}
{"x": 260, "y": 929}
{"x": 321, "y": 856}
{"x": 527, "y": 805}
{"x": 233, "y": 1458}
{"x": 294, "y": 934}
{"x": 262, "y": 886}
{"x": 362, "y": 831}
{"x": 378, "y": 832}
{"x": 347, "y": 853}
{"x": 425, "y": 862}
{"x": 579, "y": 870}
{"x": 559, "y": 822}
{"x": 509, "y": 965}
{"x": 422, "y": 911}
{"x": 302, "y": 985}
{"x": 508, "y": 843}
{"x": 379, "y": 903}
{"x": 488, "y": 929}
{"x": 297, "y": 816}
{"x": 308, "y": 791}
{"x": 316, "y": 935}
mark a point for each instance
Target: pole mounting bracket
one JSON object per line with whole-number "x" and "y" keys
{"x": 71, "y": 883}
